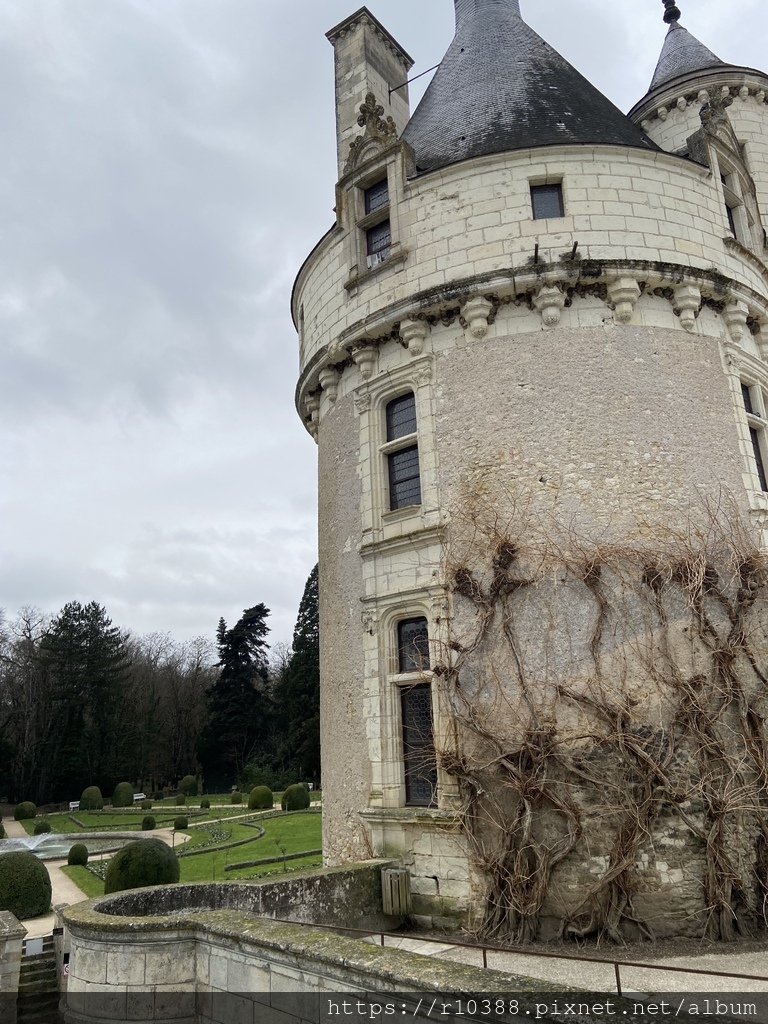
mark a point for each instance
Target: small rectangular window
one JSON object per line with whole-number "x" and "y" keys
{"x": 379, "y": 239}
{"x": 401, "y": 417}
{"x": 747, "y": 396}
{"x": 412, "y": 645}
{"x": 404, "y": 480}
{"x": 547, "y": 201}
{"x": 418, "y": 747}
{"x": 377, "y": 196}
{"x": 731, "y": 220}
{"x": 755, "y": 438}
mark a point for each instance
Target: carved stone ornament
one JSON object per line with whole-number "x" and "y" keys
{"x": 550, "y": 302}
{"x": 423, "y": 375}
{"x": 623, "y": 295}
{"x": 688, "y": 304}
{"x": 329, "y": 381}
{"x": 370, "y": 621}
{"x": 363, "y": 403}
{"x": 663, "y": 113}
{"x": 414, "y": 334}
{"x": 735, "y": 316}
{"x": 378, "y": 129}
{"x": 476, "y": 312}
{"x": 365, "y": 360}
{"x": 682, "y": 103}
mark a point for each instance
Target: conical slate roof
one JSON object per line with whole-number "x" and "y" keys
{"x": 501, "y": 87}
{"x": 682, "y": 54}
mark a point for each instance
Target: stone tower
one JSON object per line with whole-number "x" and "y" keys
{"x": 533, "y": 356}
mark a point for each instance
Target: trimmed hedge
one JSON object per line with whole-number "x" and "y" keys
{"x": 236, "y": 798}
{"x": 261, "y": 798}
{"x": 2, "y": 831}
{"x": 41, "y": 827}
{"x": 146, "y": 805}
{"x": 25, "y": 811}
{"x": 181, "y": 799}
{"x": 145, "y": 862}
{"x": 147, "y": 823}
{"x": 188, "y": 785}
{"x": 25, "y": 887}
{"x": 205, "y": 804}
{"x": 181, "y": 822}
{"x": 123, "y": 795}
{"x": 92, "y": 800}
{"x": 78, "y": 854}
{"x": 295, "y": 798}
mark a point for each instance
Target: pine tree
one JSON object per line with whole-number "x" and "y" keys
{"x": 238, "y": 705}
{"x": 299, "y": 690}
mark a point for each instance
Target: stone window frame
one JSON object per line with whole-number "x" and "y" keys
{"x": 736, "y": 196}
{"x": 757, "y": 426}
{"x": 351, "y": 204}
{"x": 539, "y": 181}
{"x": 379, "y": 522}
{"x": 746, "y": 369}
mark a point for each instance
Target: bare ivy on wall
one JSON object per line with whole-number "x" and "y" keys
{"x": 608, "y": 704}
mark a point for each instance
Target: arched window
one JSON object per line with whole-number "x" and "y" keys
{"x": 412, "y": 645}
{"x": 402, "y": 451}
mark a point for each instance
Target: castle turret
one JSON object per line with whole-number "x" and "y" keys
{"x": 533, "y": 358}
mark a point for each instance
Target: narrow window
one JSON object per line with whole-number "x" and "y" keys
{"x": 757, "y": 425}
{"x": 379, "y": 242}
{"x": 731, "y": 219}
{"x": 403, "y": 464}
{"x": 418, "y": 746}
{"x": 377, "y": 196}
{"x": 547, "y": 201}
{"x": 412, "y": 645}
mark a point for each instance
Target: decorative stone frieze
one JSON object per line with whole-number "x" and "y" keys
{"x": 414, "y": 334}
{"x": 378, "y": 130}
{"x": 550, "y": 302}
{"x": 735, "y": 316}
{"x": 475, "y": 313}
{"x": 329, "y": 382}
{"x": 364, "y": 357}
{"x": 623, "y": 294}
{"x": 687, "y": 304}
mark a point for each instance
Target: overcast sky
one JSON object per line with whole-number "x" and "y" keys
{"x": 166, "y": 167}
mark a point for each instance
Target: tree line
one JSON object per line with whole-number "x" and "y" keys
{"x": 83, "y": 702}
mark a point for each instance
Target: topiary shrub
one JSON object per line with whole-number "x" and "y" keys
{"x": 304, "y": 785}
{"x": 181, "y": 799}
{"x": 236, "y": 798}
{"x": 146, "y": 805}
{"x": 188, "y": 785}
{"x": 78, "y": 854}
{"x": 41, "y": 827}
{"x": 25, "y": 888}
{"x": 295, "y": 798}
{"x": 181, "y": 822}
{"x": 123, "y": 795}
{"x": 2, "y": 831}
{"x": 145, "y": 862}
{"x": 159, "y": 795}
{"x": 25, "y": 811}
{"x": 92, "y": 800}
{"x": 205, "y": 804}
{"x": 147, "y": 823}
{"x": 260, "y": 798}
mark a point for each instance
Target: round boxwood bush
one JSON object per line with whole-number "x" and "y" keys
{"x": 147, "y": 823}
{"x": 123, "y": 795}
{"x": 305, "y": 785}
{"x": 78, "y": 854}
{"x": 41, "y": 827}
{"x": 146, "y": 805}
{"x": 260, "y": 798}
{"x": 236, "y": 798}
{"x": 92, "y": 800}
{"x": 181, "y": 822}
{"x": 295, "y": 798}
{"x": 25, "y": 811}
{"x": 159, "y": 795}
{"x": 145, "y": 862}
{"x": 188, "y": 785}
{"x": 205, "y": 804}
{"x": 25, "y": 888}
{"x": 181, "y": 799}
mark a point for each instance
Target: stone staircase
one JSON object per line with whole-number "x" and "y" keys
{"x": 38, "y": 1001}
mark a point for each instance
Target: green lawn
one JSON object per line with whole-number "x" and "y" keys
{"x": 85, "y": 880}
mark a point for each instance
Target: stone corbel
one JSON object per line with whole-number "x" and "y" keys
{"x": 365, "y": 359}
{"x": 312, "y": 405}
{"x": 476, "y": 312}
{"x": 329, "y": 382}
{"x": 682, "y": 103}
{"x": 414, "y": 334}
{"x": 703, "y": 96}
{"x": 623, "y": 294}
{"x": 735, "y": 316}
{"x": 550, "y": 302}
{"x": 760, "y": 97}
{"x": 744, "y": 92}
{"x": 687, "y": 304}
{"x": 662, "y": 113}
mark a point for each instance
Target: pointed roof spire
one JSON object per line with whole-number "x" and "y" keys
{"x": 682, "y": 53}
{"x": 501, "y": 87}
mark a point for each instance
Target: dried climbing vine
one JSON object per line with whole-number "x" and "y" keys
{"x": 603, "y": 697}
